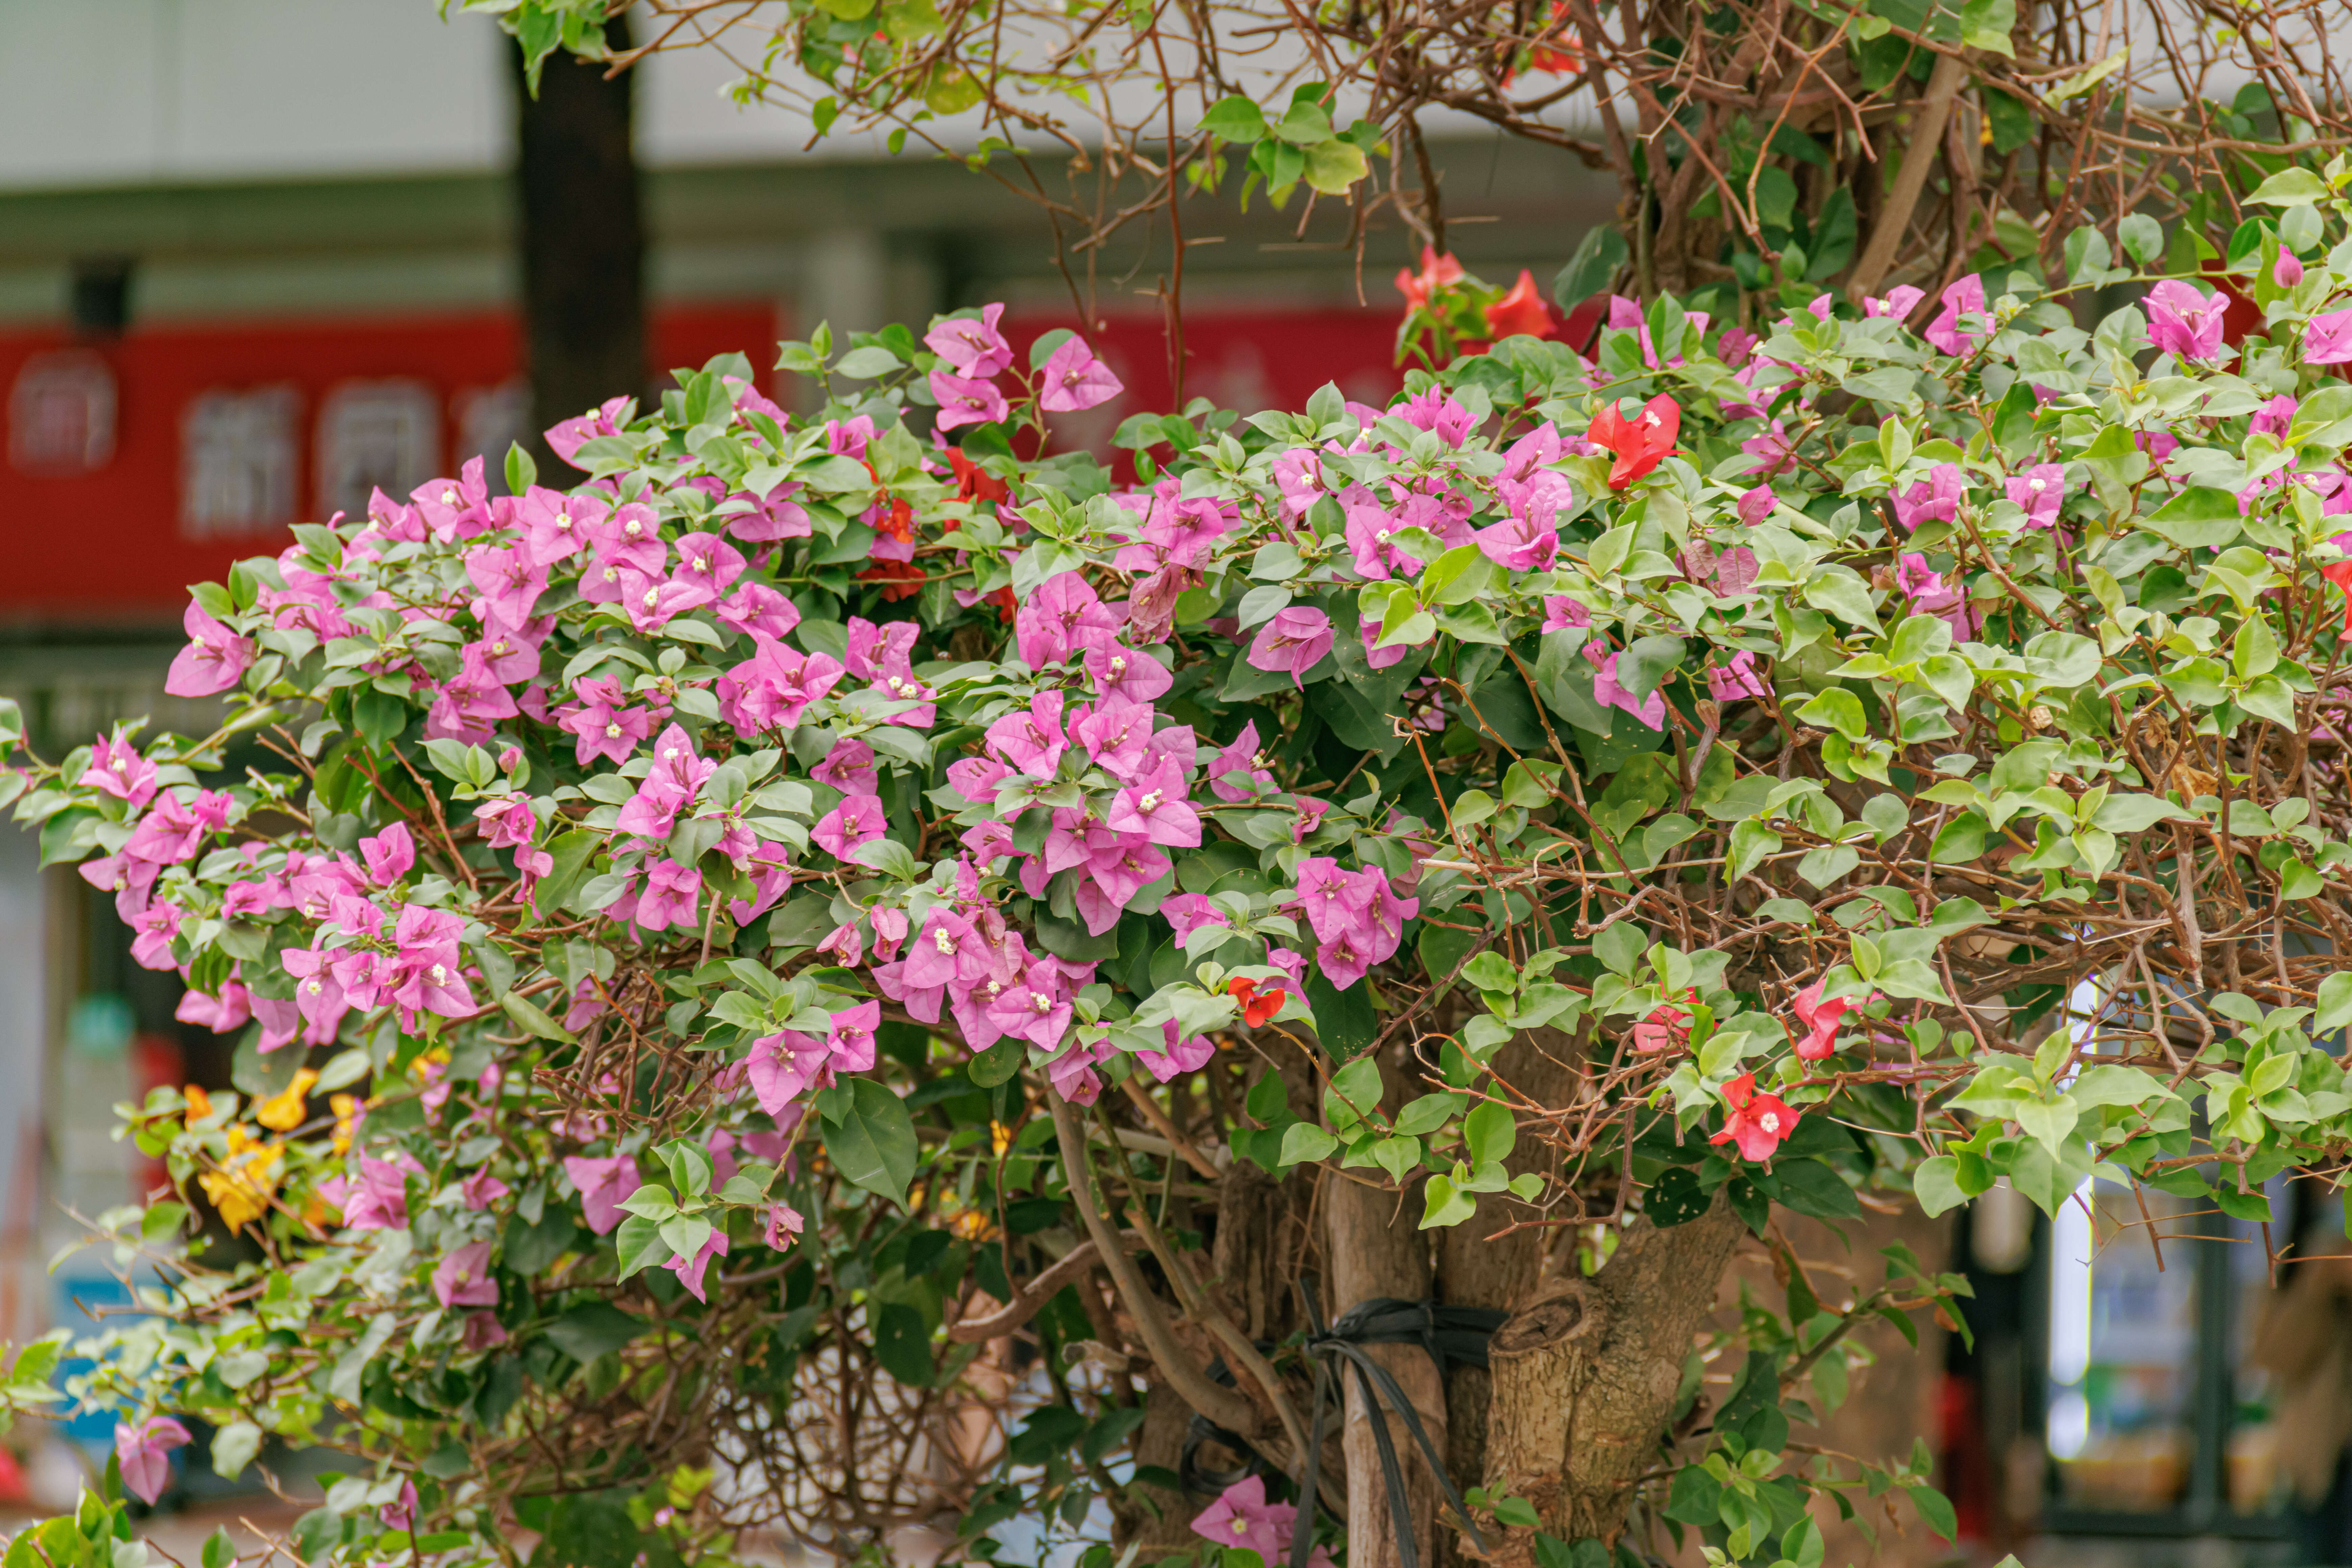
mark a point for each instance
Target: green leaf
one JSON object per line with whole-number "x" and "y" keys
{"x": 1642, "y": 668}
{"x": 2291, "y": 187}
{"x": 1941, "y": 1185}
{"x": 1936, "y": 1511}
{"x": 2334, "y": 1003}
{"x": 2199, "y": 517}
{"x": 585, "y": 1332}
{"x": 1489, "y": 1132}
{"x": 1236, "y": 119}
{"x": 1446, "y": 1204}
{"x": 1843, "y": 593}
{"x": 234, "y": 1446}
{"x": 873, "y": 1144}
{"x": 1840, "y": 709}
{"x": 1304, "y": 1143}
{"x": 533, "y": 1021}
{"x": 1334, "y": 167}
{"x": 1590, "y": 268}
{"x": 1811, "y": 1187}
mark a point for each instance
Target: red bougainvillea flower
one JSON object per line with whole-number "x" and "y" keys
{"x": 1520, "y": 312}
{"x": 1562, "y": 54}
{"x": 1820, "y": 1021}
{"x": 1436, "y": 272}
{"x": 1257, "y": 1005}
{"x": 1642, "y": 442}
{"x": 2340, "y": 573}
{"x": 975, "y": 483}
{"x": 899, "y": 579}
{"x": 1757, "y": 1123}
{"x": 1666, "y": 1026}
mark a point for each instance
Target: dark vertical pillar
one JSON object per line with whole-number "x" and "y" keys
{"x": 582, "y": 240}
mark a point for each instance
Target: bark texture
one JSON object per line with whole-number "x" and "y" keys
{"x": 1376, "y": 1249}
{"x": 1585, "y": 1375}
{"x": 582, "y": 240}
{"x": 1476, "y": 1271}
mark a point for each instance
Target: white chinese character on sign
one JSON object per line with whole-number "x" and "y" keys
{"x": 61, "y": 415}
{"x": 238, "y": 451}
{"x": 489, "y": 420}
{"x": 375, "y": 435}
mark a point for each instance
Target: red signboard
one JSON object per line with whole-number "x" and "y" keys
{"x": 1243, "y": 359}
{"x": 137, "y": 467}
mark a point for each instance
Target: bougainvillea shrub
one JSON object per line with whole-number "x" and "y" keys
{"x": 771, "y": 983}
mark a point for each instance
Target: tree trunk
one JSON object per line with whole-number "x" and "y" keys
{"x": 1586, "y": 1375}
{"x": 1476, "y": 1271}
{"x": 1373, "y": 1247}
{"x": 1156, "y": 1522}
{"x": 581, "y": 239}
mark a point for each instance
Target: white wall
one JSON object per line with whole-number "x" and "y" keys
{"x": 97, "y": 92}
{"x": 140, "y": 91}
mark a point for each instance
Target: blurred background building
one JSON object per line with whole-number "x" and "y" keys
{"x": 258, "y": 258}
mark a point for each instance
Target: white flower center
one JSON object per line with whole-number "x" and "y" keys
{"x": 449, "y": 498}
{"x": 1149, "y": 802}
{"x": 562, "y": 521}
{"x": 611, "y": 731}
{"x": 1770, "y": 1122}
{"x": 612, "y": 575}
{"x": 942, "y": 940}
{"x": 634, "y": 529}
{"x": 438, "y": 975}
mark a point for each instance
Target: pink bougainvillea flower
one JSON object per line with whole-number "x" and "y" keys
{"x": 603, "y": 1185}
{"x": 2326, "y": 339}
{"x": 1900, "y": 301}
{"x": 690, "y": 1270}
{"x": 2041, "y": 490}
{"x": 116, "y": 769}
{"x": 143, "y": 1450}
{"x": 462, "y": 1279}
{"x": 1936, "y": 499}
{"x": 975, "y": 347}
{"x": 1964, "y": 297}
{"x": 966, "y": 401}
{"x": 1650, "y": 710}
{"x": 1074, "y": 379}
{"x": 1295, "y": 640}
{"x": 858, "y": 819}
{"x": 2182, "y": 321}
{"x": 480, "y": 1190}
{"x": 389, "y": 854}
{"x": 1241, "y": 1517}
{"x": 214, "y": 658}
{"x": 785, "y": 1065}
{"x": 1739, "y": 677}
{"x": 1757, "y": 1123}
